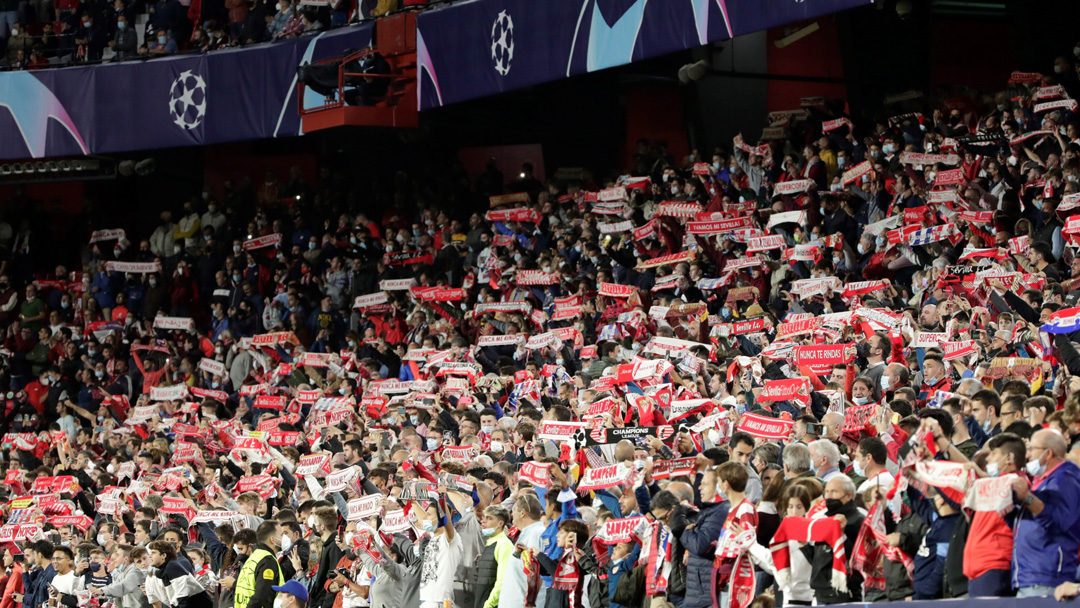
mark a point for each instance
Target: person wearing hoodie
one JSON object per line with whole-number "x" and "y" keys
{"x": 128, "y": 578}
{"x": 1048, "y": 530}
{"x": 700, "y": 541}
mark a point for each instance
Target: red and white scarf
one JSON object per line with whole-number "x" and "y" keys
{"x": 796, "y": 530}
{"x": 743, "y": 580}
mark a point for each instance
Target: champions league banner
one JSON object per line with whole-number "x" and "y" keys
{"x": 484, "y": 47}
{"x": 190, "y": 100}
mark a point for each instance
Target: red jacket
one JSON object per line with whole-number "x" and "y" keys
{"x": 989, "y": 544}
{"x": 14, "y": 585}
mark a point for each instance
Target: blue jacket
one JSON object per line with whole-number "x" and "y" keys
{"x": 1045, "y": 551}
{"x": 929, "y": 577}
{"x": 36, "y": 586}
{"x": 700, "y": 543}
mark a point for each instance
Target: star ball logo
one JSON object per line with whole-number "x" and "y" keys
{"x": 502, "y": 43}
{"x": 187, "y": 100}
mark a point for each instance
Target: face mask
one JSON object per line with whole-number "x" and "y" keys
{"x": 153, "y": 282}
{"x": 311, "y": 522}
{"x": 428, "y": 525}
{"x": 487, "y": 429}
{"x": 861, "y": 248}
{"x": 101, "y": 537}
{"x": 986, "y": 425}
{"x": 120, "y": 25}
{"x": 716, "y": 166}
{"x": 488, "y": 531}
{"x": 311, "y": 245}
{"x": 675, "y": 189}
{"x": 496, "y": 446}
{"x": 992, "y": 469}
{"x": 1057, "y": 68}
{"x": 880, "y": 242}
{"x": 86, "y": 24}
{"x": 161, "y": 40}
{"x": 236, "y": 248}
{"x": 432, "y": 444}
{"x": 725, "y": 312}
{"x": 236, "y": 549}
{"x": 861, "y": 400}
{"x": 930, "y": 381}
{"x": 931, "y": 176}
{"x": 1035, "y": 467}
{"x": 833, "y": 506}
{"x": 886, "y": 383}
{"x": 888, "y": 148}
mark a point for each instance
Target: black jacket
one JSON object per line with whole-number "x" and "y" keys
{"x": 820, "y": 556}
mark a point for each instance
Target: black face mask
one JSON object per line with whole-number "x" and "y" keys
{"x": 833, "y": 506}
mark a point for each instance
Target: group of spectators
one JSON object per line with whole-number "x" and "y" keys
{"x": 834, "y": 366}
{"x": 37, "y": 34}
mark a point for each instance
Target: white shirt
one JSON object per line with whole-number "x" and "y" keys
{"x": 441, "y": 558}
{"x": 67, "y": 583}
{"x": 884, "y": 479}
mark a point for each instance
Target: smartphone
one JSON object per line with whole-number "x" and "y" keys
{"x": 385, "y": 441}
{"x": 815, "y": 429}
{"x": 401, "y": 412}
{"x": 343, "y": 572}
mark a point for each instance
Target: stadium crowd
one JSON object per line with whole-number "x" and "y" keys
{"x": 39, "y": 34}
{"x": 833, "y": 366}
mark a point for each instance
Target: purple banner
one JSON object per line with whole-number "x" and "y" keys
{"x": 484, "y": 47}
{"x": 190, "y": 100}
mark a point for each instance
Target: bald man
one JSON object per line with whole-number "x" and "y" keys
{"x": 1048, "y": 532}
{"x": 834, "y": 425}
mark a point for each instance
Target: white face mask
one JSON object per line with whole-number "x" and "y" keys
{"x": 861, "y": 400}
{"x": 1036, "y": 467}
{"x": 286, "y": 543}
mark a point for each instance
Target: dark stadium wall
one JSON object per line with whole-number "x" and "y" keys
{"x": 507, "y": 158}
{"x": 655, "y": 113}
{"x": 817, "y": 55}
{"x": 232, "y": 162}
{"x": 727, "y": 105}
{"x": 952, "y": 63}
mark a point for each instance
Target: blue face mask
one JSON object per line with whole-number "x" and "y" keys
{"x": 120, "y": 25}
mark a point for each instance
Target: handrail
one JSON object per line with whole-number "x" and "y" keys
{"x": 339, "y": 93}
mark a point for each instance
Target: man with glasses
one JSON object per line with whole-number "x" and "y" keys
{"x": 1011, "y": 411}
{"x": 1048, "y": 531}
